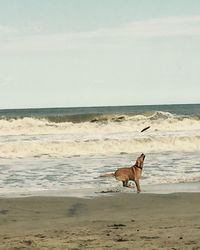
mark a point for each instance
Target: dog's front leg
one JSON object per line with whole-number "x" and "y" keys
{"x": 138, "y": 186}
{"x": 125, "y": 183}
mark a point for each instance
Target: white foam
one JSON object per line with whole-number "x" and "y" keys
{"x": 99, "y": 146}
{"x": 29, "y": 137}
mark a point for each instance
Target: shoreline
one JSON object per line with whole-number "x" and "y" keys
{"x": 169, "y": 188}
{"x": 119, "y": 221}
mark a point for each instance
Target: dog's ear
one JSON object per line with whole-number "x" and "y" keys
{"x": 138, "y": 162}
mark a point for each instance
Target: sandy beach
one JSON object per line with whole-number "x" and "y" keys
{"x": 121, "y": 221}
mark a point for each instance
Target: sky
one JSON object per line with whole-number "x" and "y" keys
{"x": 72, "y": 53}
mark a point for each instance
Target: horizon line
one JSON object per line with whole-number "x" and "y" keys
{"x": 100, "y": 106}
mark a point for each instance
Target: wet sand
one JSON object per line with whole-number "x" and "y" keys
{"x": 121, "y": 221}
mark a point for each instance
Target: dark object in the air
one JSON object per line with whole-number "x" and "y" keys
{"x": 144, "y": 129}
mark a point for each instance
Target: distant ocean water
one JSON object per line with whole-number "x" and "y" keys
{"x": 68, "y": 148}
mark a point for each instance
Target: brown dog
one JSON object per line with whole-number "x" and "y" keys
{"x": 133, "y": 173}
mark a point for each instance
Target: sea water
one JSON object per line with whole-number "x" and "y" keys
{"x": 65, "y": 150}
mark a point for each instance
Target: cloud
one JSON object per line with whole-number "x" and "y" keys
{"x": 5, "y": 82}
{"x": 169, "y": 26}
{"x": 105, "y": 37}
{"x": 7, "y": 30}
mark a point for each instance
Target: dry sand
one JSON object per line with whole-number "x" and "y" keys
{"x": 121, "y": 221}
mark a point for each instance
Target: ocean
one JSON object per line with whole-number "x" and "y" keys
{"x": 65, "y": 150}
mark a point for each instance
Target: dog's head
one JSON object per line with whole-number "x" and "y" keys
{"x": 140, "y": 160}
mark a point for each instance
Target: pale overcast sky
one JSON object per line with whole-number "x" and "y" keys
{"x": 68, "y": 53}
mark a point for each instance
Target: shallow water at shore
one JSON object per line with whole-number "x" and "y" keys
{"x": 80, "y": 176}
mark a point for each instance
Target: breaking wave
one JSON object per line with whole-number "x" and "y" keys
{"x": 95, "y": 123}
{"x": 101, "y": 118}
{"x": 99, "y": 134}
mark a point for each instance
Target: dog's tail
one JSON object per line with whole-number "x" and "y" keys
{"x": 107, "y": 175}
